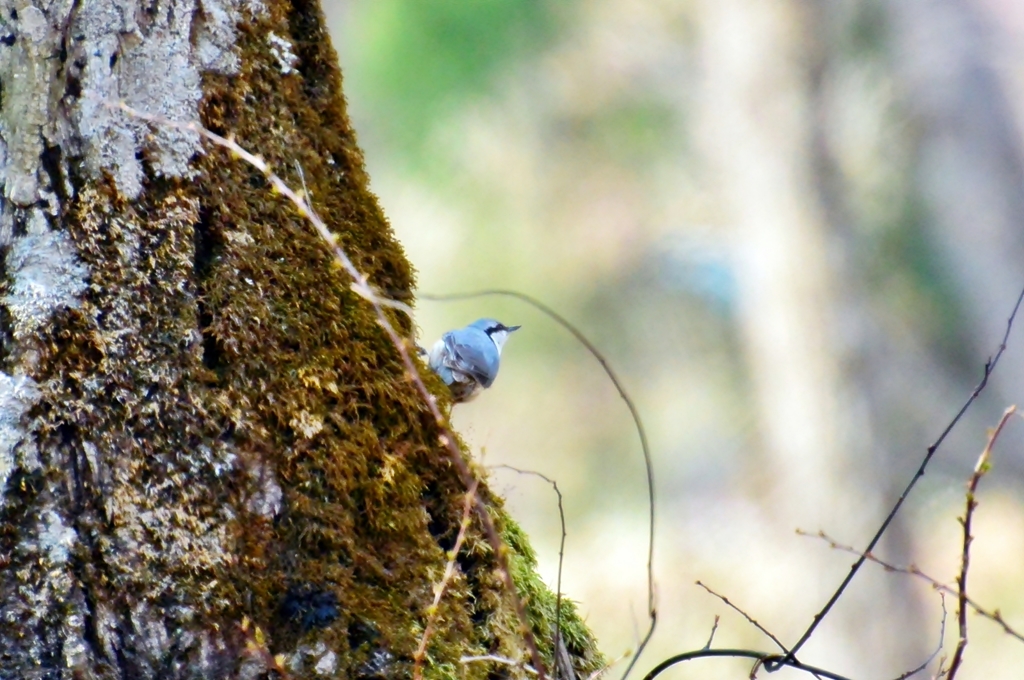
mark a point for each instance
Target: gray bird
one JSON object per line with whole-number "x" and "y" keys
{"x": 467, "y": 359}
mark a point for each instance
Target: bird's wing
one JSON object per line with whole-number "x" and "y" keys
{"x": 476, "y": 357}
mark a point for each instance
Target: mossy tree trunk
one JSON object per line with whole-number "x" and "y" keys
{"x": 200, "y": 423}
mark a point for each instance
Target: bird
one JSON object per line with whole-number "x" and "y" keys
{"x": 467, "y": 359}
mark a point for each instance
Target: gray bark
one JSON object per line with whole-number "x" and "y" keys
{"x": 67, "y": 498}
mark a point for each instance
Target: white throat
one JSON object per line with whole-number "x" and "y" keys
{"x": 499, "y": 338}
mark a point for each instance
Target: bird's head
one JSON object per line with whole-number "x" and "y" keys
{"x": 497, "y": 331}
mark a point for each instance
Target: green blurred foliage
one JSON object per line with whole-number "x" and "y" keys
{"x": 631, "y": 133}
{"x": 421, "y": 59}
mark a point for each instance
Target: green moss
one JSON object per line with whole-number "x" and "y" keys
{"x": 544, "y": 609}
{"x": 370, "y": 500}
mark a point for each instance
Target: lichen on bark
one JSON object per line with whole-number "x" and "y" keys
{"x": 200, "y": 423}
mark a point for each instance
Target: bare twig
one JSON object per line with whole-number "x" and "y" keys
{"x": 561, "y": 548}
{"x": 747, "y": 616}
{"x": 913, "y": 570}
{"x": 711, "y": 638}
{"x": 360, "y": 285}
{"x": 604, "y": 669}
{"x": 990, "y": 366}
{"x": 638, "y": 423}
{"x": 980, "y": 469}
{"x": 762, "y": 658}
{"x": 938, "y": 647}
{"x": 449, "y": 571}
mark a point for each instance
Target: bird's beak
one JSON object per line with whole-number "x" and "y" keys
{"x": 512, "y": 328}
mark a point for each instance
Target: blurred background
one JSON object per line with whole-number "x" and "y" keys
{"x": 795, "y": 228}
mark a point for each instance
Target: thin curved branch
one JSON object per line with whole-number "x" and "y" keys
{"x": 762, "y": 658}
{"x": 641, "y": 432}
{"x": 561, "y": 550}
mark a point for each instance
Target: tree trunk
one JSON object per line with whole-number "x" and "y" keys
{"x": 201, "y": 425}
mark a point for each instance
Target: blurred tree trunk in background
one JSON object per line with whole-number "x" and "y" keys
{"x": 799, "y": 297}
{"x": 200, "y": 423}
{"x": 759, "y": 97}
{"x": 969, "y": 161}
{"x": 838, "y": 379}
